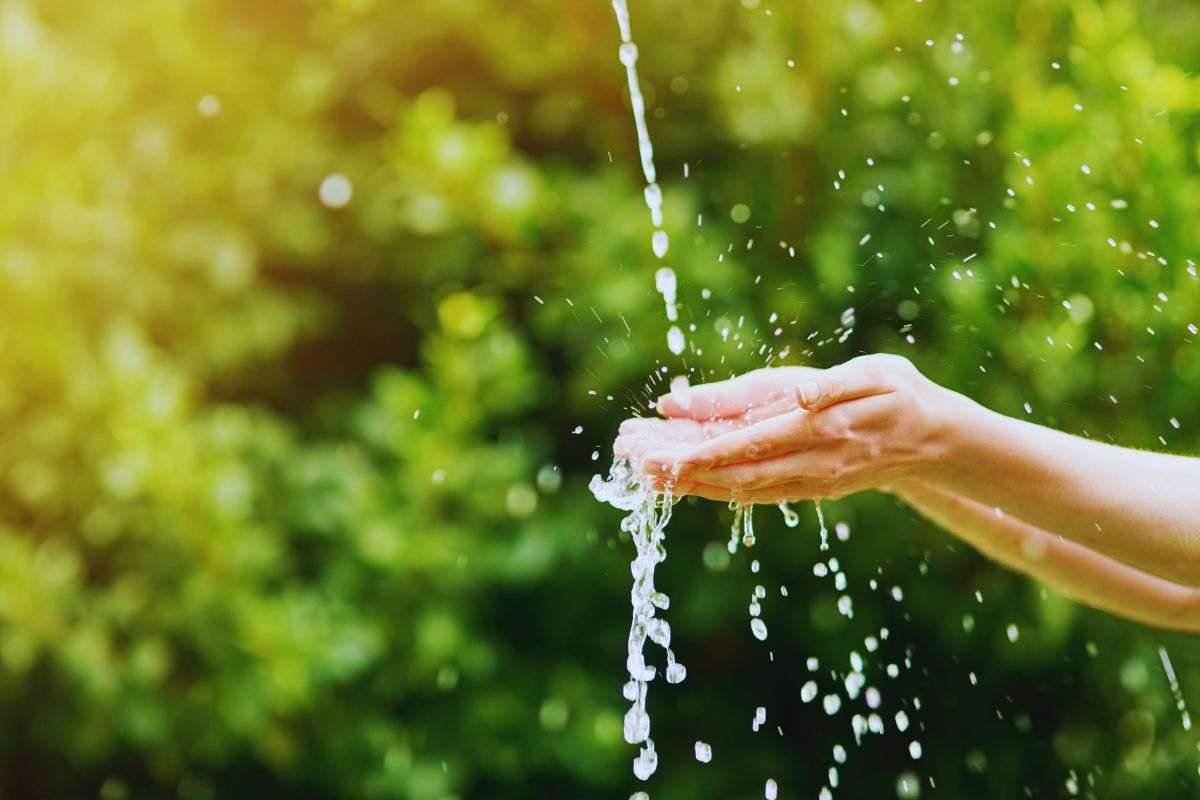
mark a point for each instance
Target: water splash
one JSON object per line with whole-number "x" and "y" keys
{"x": 646, "y": 522}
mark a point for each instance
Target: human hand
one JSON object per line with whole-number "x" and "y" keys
{"x": 791, "y": 433}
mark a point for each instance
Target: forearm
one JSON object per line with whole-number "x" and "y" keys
{"x": 1072, "y": 569}
{"x": 1137, "y": 507}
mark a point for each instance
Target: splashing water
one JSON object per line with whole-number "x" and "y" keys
{"x": 646, "y": 522}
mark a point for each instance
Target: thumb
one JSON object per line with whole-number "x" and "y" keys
{"x": 835, "y": 385}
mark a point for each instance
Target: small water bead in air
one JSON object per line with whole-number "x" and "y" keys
{"x": 760, "y": 718}
{"x": 637, "y": 725}
{"x": 908, "y": 786}
{"x": 771, "y": 790}
{"x": 808, "y": 691}
{"x": 335, "y": 191}
{"x": 646, "y": 762}
{"x": 758, "y": 628}
{"x": 639, "y": 796}
{"x": 832, "y": 704}
{"x": 666, "y": 285}
{"x": 703, "y": 752}
{"x": 675, "y": 672}
{"x": 659, "y": 243}
{"x": 675, "y": 340}
{"x": 790, "y": 517}
{"x": 914, "y": 749}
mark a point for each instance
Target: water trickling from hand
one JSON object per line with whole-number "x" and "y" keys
{"x": 646, "y": 520}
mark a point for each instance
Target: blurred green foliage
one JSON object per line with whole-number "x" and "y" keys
{"x": 292, "y": 502}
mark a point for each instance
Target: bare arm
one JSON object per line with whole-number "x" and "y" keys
{"x": 1138, "y": 507}
{"x": 1072, "y": 569}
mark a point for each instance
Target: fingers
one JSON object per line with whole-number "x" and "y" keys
{"x": 784, "y": 493}
{"x": 702, "y": 490}
{"x": 849, "y": 381}
{"x": 796, "y": 490}
{"x": 815, "y": 468}
{"x": 639, "y": 436}
{"x": 771, "y": 437}
{"x": 736, "y": 396}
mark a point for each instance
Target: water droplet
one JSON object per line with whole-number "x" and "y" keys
{"x": 335, "y": 191}
{"x": 646, "y": 762}
{"x": 908, "y": 786}
{"x": 637, "y": 725}
{"x": 675, "y": 340}
{"x": 659, "y": 243}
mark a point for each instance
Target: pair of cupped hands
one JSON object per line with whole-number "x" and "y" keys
{"x": 792, "y": 433}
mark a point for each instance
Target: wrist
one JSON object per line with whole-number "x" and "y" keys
{"x": 954, "y": 419}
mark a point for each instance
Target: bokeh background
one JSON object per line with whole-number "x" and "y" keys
{"x": 303, "y": 304}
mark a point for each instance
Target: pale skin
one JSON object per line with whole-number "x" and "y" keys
{"x": 1115, "y": 528}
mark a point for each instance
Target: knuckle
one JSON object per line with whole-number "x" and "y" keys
{"x": 832, "y": 424}
{"x": 833, "y": 389}
{"x": 895, "y": 364}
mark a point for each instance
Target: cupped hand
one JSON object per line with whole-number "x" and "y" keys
{"x": 791, "y": 433}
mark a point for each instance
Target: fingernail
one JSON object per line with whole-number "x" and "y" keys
{"x": 810, "y": 392}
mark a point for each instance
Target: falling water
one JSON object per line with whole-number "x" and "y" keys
{"x": 664, "y": 278}
{"x": 646, "y": 523}
{"x": 1176, "y": 692}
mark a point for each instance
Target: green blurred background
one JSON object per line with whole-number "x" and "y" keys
{"x": 301, "y": 304}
